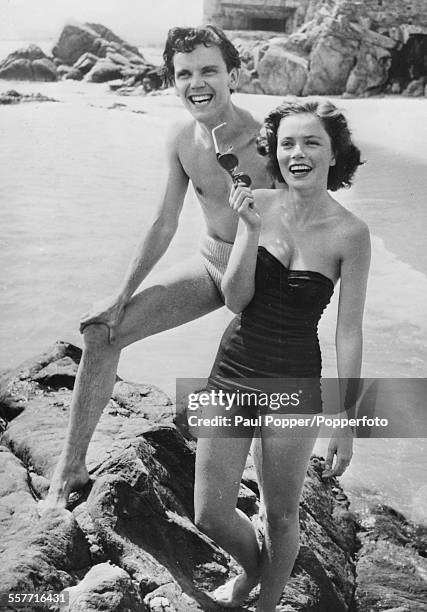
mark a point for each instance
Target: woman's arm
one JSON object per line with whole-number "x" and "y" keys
{"x": 349, "y": 338}
{"x": 238, "y": 283}
{"x": 354, "y": 278}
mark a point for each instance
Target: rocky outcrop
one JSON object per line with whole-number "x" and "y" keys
{"x": 128, "y": 542}
{"x": 355, "y": 49}
{"x": 30, "y": 64}
{"x": 85, "y": 51}
{"x": 94, "y": 53}
{"x": 77, "y": 39}
{"x": 14, "y": 97}
{"x": 391, "y": 562}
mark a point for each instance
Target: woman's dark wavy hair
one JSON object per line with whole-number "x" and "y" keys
{"x": 347, "y": 155}
{"x": 185, "y": 40}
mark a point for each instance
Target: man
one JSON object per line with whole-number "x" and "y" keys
{"x": 204, "y": 67}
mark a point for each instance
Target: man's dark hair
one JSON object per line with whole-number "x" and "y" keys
{"x": 185, "y": 40}
{"x": 347, "y": 155}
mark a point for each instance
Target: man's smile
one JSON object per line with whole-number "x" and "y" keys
{"x": 200, "y": 99}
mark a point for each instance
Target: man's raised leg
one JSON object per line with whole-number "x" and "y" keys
{"x": 182, "y": 294}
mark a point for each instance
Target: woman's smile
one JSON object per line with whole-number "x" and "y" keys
{"x": 304, "y": 151}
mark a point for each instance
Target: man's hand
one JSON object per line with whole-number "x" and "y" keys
{"x": 242, "y": 201}
{"x": 109, "y": 312}
{"x": 340, "y": 445}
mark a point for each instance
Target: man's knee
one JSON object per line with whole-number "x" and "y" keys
{"x": 208, "y": 521}
{"x": 96, "y": 337}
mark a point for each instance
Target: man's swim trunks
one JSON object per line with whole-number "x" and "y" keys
{"x": 216, "y": 254}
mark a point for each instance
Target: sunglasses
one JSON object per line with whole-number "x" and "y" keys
{"x": 229, "y": 162}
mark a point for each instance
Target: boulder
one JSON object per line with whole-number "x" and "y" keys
{"x": 282, "y": 72}
{"x": 29, "y": 64}
{"x": 77, "y": 39}
{"x": 73, "y": 74}
{"x": 391, "y": 563}
{"x": 44, "y": 70}
{"x": 371, "y": 72}
{"x": 416, "y": 87}
{"x": 105, "y": 586}
{"x": 103, "y": 71}
{"x": 85, "y": 63}
{"x": 332, "y": 58}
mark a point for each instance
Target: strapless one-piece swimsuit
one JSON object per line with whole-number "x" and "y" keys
{"x": 275, "y": 337}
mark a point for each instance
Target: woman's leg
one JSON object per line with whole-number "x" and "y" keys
{"x": 219, "y": 466}
{"x": 284, "y": 465}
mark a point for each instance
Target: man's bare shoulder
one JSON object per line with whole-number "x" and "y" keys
{"x": 248, "y": 118}
{"x": 180, "y": 132}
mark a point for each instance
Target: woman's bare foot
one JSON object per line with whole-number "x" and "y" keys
{"x": 234, "y": 592}
{"x": 64, "y": 481}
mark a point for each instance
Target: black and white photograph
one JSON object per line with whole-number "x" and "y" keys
{"x": 213, "y": 379}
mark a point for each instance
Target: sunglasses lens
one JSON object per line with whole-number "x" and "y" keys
{"x": 242, "y": 179}
{"x": 228, "y": 161}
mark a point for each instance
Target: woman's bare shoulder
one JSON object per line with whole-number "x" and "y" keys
{"x": 351, "y": 232}
{"x": 267, "y": 196}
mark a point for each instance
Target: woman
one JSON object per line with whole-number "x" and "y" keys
{"x": 291, "y": 248}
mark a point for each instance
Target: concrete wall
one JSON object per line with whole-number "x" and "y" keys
{"x": 275, "y": 15}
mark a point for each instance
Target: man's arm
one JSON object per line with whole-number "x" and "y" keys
{"x": 163, "y": 225}
{"x": 153, "y": 244}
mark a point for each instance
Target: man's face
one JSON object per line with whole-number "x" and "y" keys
{"x": 203, "y": 82}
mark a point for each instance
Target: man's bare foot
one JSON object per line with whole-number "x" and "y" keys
{"x": 234, "y": 592}
{"x": 64, "y": 481}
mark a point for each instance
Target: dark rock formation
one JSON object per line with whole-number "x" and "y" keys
{"x": 85, "y": 51}
{"x": 29, "y": 64}
{"x": 391, "y": 562}
{"x": 94, "y": 53}
{"x": 77, "y": 39}
{"x": 14, "y": 97}
{"x": 128, "y": 542}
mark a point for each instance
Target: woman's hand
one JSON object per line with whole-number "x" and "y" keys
{"x": 243, "y": 202}
{"x": 340, "y": 445}
{"x": 109, "y": 312}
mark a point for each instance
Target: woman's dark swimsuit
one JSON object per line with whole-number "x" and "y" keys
{"x": 276, "y": 335}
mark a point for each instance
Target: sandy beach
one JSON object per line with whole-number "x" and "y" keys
{"x": 81, "y": 178}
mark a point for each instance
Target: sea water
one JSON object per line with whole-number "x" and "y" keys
{"x": 80, "y": 179}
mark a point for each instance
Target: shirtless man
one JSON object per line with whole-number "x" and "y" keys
{"x": 204, "y": 66}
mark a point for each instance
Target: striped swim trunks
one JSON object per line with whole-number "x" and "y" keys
{"x": 215, "y": 255}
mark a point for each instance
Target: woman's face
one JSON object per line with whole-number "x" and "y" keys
{"x": 304, "y": 151}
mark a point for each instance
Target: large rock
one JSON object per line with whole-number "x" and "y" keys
{"x": 29, "y": 64}
{"x": 77, "y": 39}
{"x": 391, "y": 563}
{"x": 344, "y": 47}
{"x": 282, "y": 72}
{"x": 96, "y": 54}
{"x": 371, "y": 72}
{"x": 105, "y": 70}
{"x": 332, "y": 58}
